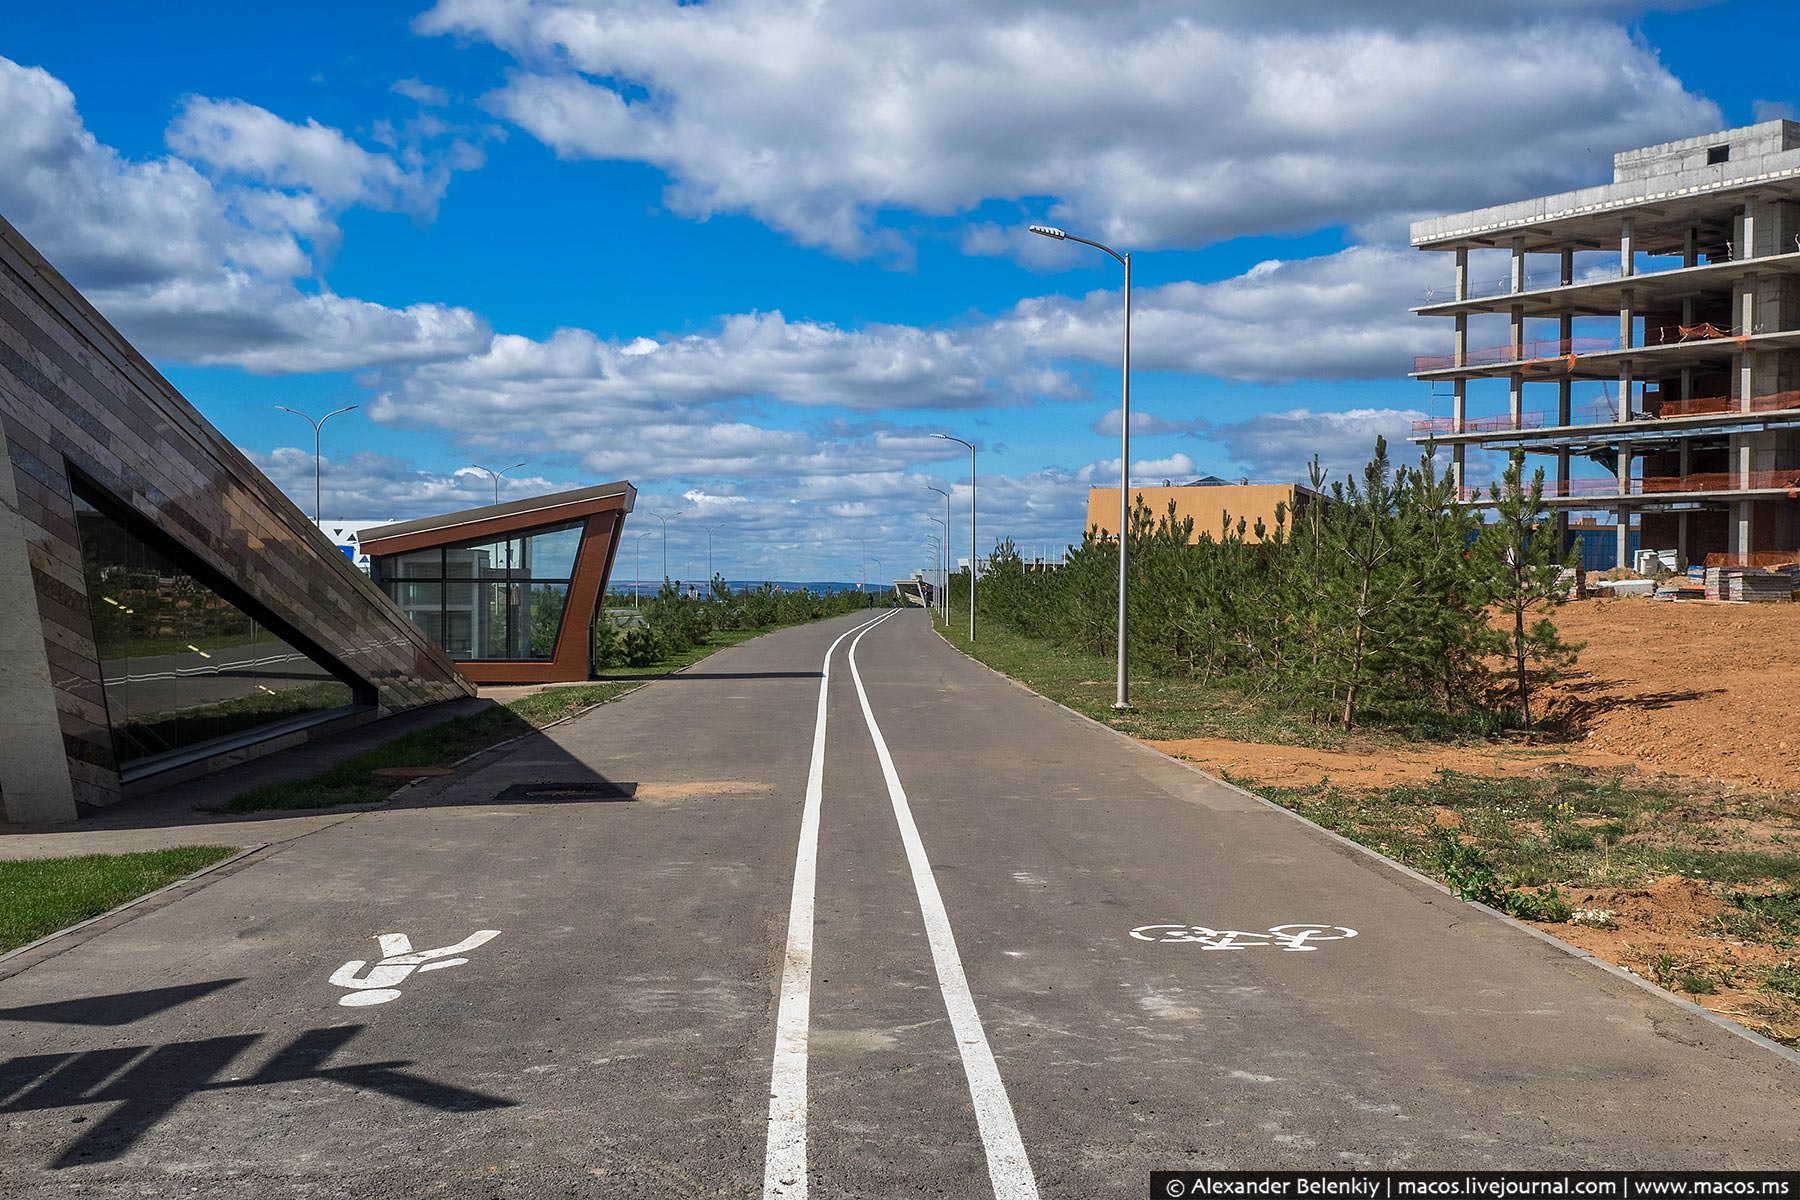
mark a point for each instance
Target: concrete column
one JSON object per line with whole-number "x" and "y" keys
{"x": 1690, "y": 254}
{"x": 34, "y": 770}
{"x": 1462, "y": 340}
{"x": 1626, "y": 313}
{"x": 1624, "y": 412}
{"x": 1566, "y": 275}
{"x": 1627, "y": 246}
{"x": 1747, "y": 247}
{"x": 1462, "y": 272}
{"x": 1681, "y": 521}
{"x": 1741, "y": 531}
{"x": 1622, "y": 556}
{"x": 1518, "y": 264}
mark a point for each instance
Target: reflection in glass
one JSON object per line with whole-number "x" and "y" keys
{"x": 182, "y": 665}
{"x": 500, "y": 599}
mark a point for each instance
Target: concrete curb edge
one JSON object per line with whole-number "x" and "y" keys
{"x": 1574, "y": 951}
{"x": 191, "y": 876}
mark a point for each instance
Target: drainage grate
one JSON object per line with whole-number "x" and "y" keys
{"x": 585, "y": 791}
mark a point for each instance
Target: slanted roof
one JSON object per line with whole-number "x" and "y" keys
{"x": 498, "y": 519}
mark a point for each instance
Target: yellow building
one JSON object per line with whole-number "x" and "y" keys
{"x": 1207, "y": 503}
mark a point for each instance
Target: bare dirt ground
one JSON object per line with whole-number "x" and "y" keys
{"x": 1700, "y": 693}
{"x": 1700, "y": 690}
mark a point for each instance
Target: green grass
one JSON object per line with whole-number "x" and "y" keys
{"x": 42, "y": 895}
{"x": 353, "y": 781}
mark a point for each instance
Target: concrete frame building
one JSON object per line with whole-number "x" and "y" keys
{"x": 1673, "y": 301}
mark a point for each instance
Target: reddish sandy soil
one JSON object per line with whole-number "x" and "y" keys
{"x": 1701, "y": 691}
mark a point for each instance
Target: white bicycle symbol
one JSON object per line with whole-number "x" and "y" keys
{"x": 1297, "y": 938}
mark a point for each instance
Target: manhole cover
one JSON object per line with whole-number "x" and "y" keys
{"x": 566, "y": 793}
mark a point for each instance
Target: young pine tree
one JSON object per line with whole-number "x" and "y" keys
{"x": 1526, "y": 563}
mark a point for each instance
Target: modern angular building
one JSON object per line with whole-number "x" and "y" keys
{"x": 1642, "y": 338}
{"x": 510, "y": 591}
{"x": 166, "y": 610}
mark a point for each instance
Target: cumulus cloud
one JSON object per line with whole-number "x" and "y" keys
{"x": 383, "y": 487}
{"x": 424, "y": 93}
{"x": 1143, "y": 424}
{"x": 212, "y": 269}
{"x": 1339, "y": 316}
{"x": 239, "y": 140}
{"x": 1147, "y": 125}
{"x": 1279, "y": 446}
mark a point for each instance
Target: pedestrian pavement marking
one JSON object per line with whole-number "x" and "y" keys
{"x": 784, "y": 1162}
{"x": 1296, "y": 937}
{"x": 377, "y": 985}
{"x": 1009, "y": 1169}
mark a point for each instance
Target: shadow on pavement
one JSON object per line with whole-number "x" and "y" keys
{"x": 146, "y": 1083}
{"x": 121, "y": 1008}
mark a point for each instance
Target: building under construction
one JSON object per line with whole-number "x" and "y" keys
{"x": 1644, "y": 337}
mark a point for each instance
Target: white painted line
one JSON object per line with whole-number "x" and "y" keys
{"x": 784, "y": 1162}
{"x": 1009, "y": 1170}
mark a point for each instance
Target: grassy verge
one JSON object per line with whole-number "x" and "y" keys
{"x": 43, "y": 895}
{"x": 1692, "y": 883}
{"x": 354, "y": 781}
{"x": 1163, "y": 708}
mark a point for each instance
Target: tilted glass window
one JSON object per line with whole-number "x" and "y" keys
{"x": 501, "y": 599}
{"x": 181, "y": 665}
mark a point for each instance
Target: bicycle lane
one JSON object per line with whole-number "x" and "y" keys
{"x": 1436, "y": 1037}
{"x": 610, "y": 1039}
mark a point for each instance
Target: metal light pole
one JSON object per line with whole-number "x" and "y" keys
{"x": 943, "y": 569}
{"x": 1123, "y": 699}
{"x": 879, "y": 569}
{"x": 664, "y": 518}
{"x": 971, "y": 446}
{"x": 318, "y": 470}
{"x": 496, "y": 475}
{"x": 946, "y": 524}
{"x": 710, "y": 530}
{"x": 637, "y": 583}
{"x": 937, "y": 566}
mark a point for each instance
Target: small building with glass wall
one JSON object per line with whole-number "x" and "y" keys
{"x": 509, "y": 591}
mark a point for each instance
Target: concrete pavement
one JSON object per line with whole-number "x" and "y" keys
{"x": 1046, "y": 997}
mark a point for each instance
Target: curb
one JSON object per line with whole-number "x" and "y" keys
{"x": 1611, "y": 968}
{"x": 228, "y": 860}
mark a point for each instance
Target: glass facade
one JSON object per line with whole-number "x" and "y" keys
{"x": 182, "y": 666}
{"x": 497, "y": 599}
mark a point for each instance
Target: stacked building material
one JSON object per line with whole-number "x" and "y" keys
{"x": 1762, "y": 587}
{"x": 1717, "y": 584}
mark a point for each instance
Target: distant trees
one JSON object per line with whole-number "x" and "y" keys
{"x": 1373, "y": 603}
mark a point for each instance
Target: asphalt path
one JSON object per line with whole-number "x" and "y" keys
{"x": 956, "y": 942}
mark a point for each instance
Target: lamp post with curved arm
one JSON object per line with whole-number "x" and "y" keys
{"x": 664, "y": 518}
{"x": 943, "y": 568}
{"x": 1123, "y": 699}
{"x": 710, "y": 530}
{"x": 971, "y": 446}
{"x": 637, "y": 583}
{"x": 495, "y": 475}
{"x": 946, "y": 524}
{"x": 318, "y": 470}
{"x": 937, "y": 564}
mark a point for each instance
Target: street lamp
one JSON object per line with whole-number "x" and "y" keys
{"x": 496, "y": 475}
{"x": 937, "y": 565}
{"x": 971, "y": 446}
{"x": 946, "y": 524}
{"x": 664, "y": 518}
{"x": 637, "y": 583}
{"x": 710, "y": 530}
{"x": 1123, "y": 699}
{"x": 317, "y": 470}
{"x": 943, "y": 569}
{"x": 879, "y": 569}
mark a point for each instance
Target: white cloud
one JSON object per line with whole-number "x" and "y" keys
{"x": 1279, "y": 446}
{"x": 1176, "y": 468}
{"x": 1143, "y": 424}
{"x": 1149, "y": 126}
{"x": 424, "y": 93}
{"x": 371, "y": 486}
{"x": 195, "y": 268}
{"x": 1339, "y": 316}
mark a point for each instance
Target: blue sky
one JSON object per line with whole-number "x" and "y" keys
{"x": 750, "y": 254}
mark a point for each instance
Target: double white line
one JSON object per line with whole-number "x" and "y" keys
{"x": 784, "y": 1170}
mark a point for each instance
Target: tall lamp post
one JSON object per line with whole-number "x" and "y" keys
{"x": 318, "y": 470}
{"x": 495, "y": 475}
{"x": 944, "y": 566}
{"x": 1123, "y": 699}
{"x": 637, "y": 583}
{"x": 710, "y": 530}
{"x": 943, "y": 569}
{"x": 664, "y": 518}
{"x": 937, "y": 564}
{"x": 971, "y": 446}
{"x": 879, "y": 569}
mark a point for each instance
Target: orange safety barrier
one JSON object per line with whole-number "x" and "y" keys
{"x": 1546, "y": 354}
{"x": 1701, "y": 405}
{"x": 1785, "y": 478}
{"x": 1530, "y": 420}
{"x": 1753, "y": 558}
